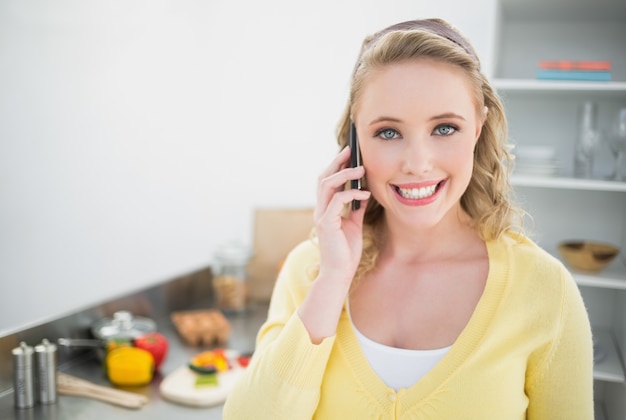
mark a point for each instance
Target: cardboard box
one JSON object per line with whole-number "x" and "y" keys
{"x": 276, "y": 233}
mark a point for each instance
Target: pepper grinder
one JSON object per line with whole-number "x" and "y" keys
{"x": 46, "y": 357}
{"x": 23, "y": 376}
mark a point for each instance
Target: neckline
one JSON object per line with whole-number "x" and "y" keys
{"x": 383, "y": 347}
{"x": 463, "y": 347}
{"x": 395, "y": 350}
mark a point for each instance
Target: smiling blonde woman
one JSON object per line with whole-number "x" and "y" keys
{"x": 428, "y": 302}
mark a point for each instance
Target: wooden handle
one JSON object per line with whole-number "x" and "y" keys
{"x": 72, "y": 385}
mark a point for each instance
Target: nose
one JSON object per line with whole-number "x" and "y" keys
{"x": 417, "y": 156}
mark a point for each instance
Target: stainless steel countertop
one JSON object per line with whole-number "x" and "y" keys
{"x": 88, "y": 366}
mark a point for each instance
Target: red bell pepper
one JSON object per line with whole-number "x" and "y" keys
{"x": 156, "y": 344}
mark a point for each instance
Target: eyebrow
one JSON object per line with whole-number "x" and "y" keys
{"x": 443, "y": 116}
{"x": 447, "y": 115}
{"x": 381, "y": 119}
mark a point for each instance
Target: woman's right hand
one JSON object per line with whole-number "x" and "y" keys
{"x": 340, "y": 241}
{"x": 340, "y": 236}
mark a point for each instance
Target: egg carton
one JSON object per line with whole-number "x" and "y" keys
{"x": 205, "y": 327}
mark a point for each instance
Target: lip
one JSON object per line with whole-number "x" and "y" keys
{"x": 418, "y": 201}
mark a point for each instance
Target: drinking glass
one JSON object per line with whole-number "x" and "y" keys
{"x": 587, "y": 141}
{"x": 616, "y": 140}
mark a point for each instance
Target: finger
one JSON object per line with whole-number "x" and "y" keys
{"x": 339, "y": 162}
{"x": 340, "y": 199}
{"x": 357, "y": 216}
{"x": 332, "y": 220}
{"x": 336, "y": 183}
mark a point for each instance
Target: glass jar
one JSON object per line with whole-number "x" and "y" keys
{"x": 230, "y": 277}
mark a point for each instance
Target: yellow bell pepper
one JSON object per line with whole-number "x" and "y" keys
{"x": 129, "y": 366}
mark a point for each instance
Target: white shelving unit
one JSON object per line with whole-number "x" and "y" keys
{"x": 543, "y": 112}
{"x": 554, "y": 86}
{"x": 614, "y": 277}
{"x": 568, "y": 183}
{"x": 609, "y": 369}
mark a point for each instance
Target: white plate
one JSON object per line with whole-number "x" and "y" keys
{"x": 537, "y": 169}
{"x": 535, "y": 153}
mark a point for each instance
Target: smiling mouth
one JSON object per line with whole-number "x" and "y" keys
{"x": 418, "y": 193}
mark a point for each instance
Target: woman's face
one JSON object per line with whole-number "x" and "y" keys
{"x": 417, "y": 126}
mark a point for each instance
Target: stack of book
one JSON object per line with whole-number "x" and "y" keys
{"x": 574, "y": 70}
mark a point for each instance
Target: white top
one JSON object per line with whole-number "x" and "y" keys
{"x": 398, "y": 368}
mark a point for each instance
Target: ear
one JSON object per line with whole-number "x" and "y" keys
{"x": 480, "y": 123}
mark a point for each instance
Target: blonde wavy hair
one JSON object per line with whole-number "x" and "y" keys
{"x": 488, "y": 198}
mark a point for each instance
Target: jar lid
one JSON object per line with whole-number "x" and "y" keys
{"x": 123, "y": 325}
{"x": 233, "y": 252}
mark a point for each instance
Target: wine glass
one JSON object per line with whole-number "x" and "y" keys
{"x": 588, "y": 141}
{"x": 616, "y": 140}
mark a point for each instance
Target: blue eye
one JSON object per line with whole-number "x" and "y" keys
{"x": 387, "y": 134}
{"x": 445, "y": 130}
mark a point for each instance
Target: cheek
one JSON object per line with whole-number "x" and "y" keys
{"x": 461, "y": 152}
{"x": 458, "y": 163}
{"x": 379, "y": 163}
{"x": 461, "y": 157}
{"x": 374, "y": 173}
{"x": 462, "y": 162}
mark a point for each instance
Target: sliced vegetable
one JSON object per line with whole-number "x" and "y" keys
{"x": 210, "y": 361}
{"x": 203, "y": 370}
{"x": 206, "y": 380}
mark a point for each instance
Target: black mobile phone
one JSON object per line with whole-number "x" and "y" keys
{"x": 355, "y": 160}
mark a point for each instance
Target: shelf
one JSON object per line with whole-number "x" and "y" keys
{"x": 564, "y": 9}
{"x": 559, "y": 86}
{"x": 612, "y": 277}
{"x": 567, "y": 183}
{"x": 610, "y": 368}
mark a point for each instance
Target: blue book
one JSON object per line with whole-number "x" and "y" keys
{"x": 600, "y": 76}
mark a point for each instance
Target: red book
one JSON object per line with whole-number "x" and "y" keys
{"x": 588, "y": 65}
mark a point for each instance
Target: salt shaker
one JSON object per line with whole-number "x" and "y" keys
{"x": 46, "y": 361}
{"x": 23, "y": 376}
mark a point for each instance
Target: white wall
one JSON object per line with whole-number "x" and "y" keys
{"x": 138, "y": 135}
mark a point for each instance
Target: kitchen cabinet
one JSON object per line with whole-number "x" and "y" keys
{"x": 545, "y": 113}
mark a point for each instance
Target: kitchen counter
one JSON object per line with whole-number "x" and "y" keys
{"x": 88, "y": 366}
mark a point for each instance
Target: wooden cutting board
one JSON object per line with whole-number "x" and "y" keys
{"x": 179, "y": 387}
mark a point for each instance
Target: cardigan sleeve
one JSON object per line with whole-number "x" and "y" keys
{"x": 283, "y": 380}
{"x": 560, "y": 384}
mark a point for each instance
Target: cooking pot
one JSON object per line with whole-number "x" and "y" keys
{"x": 123, "y": 326}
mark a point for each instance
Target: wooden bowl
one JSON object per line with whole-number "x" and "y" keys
{"x": 588, "y": 256}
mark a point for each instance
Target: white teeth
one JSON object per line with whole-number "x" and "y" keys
{"x": 417, "y": 193}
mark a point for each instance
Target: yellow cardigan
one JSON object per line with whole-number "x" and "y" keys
{"x": 525, "y": 353}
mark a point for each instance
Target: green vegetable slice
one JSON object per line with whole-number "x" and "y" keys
{"x": 206, "y": 379}
{"x": 203, "y": 370}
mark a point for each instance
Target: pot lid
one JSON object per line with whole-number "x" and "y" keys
{"x": 123, "y": 325}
